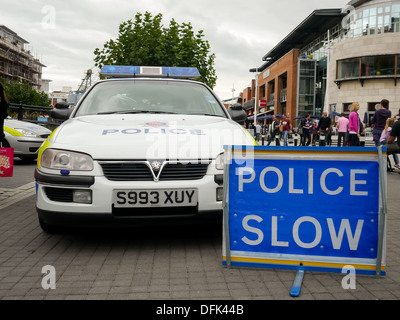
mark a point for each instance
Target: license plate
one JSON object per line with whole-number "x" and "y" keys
{"x": 155, "y": 198}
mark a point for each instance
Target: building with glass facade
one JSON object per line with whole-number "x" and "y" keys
{"x": 333, "y": 58}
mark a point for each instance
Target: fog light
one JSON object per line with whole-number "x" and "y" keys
{"x": 219, "y": 179}
{"x": 220, "y": 193}
{"x": 82, "y": 196}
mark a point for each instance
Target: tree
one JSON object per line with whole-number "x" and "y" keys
{"x": 145, "y": 42}
{"x": 19, "y": 92}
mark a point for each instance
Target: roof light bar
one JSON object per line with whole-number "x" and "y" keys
{"x": 157, "y": 72}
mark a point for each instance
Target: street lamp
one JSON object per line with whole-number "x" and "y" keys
{"x": 233, "y": 93}
{"x": 328, "y": 45}
{"x": 256, "y": 93}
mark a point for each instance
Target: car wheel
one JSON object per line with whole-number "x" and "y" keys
{"x": 48, "y": 228}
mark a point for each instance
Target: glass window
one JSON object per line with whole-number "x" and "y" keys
{"x": 377, "y": 66}
{"x": 346, "y": 106}
{"x": 398, "y": 64}
{"x": 372, "y": 106}
{"x": 395, "y": 24}
{"x": 387, "y": 24}
{"x": 358, "y": 28}
{"x": 306, "y": 80}
{"x": 348, "y": 68}
{"x": 147, "y": 96}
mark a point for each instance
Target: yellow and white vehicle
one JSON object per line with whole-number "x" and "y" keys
{"x": 24, "y": 137}
{"x": 146, "y": 143}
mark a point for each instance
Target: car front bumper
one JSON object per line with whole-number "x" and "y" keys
{"x": 55, "y": 203}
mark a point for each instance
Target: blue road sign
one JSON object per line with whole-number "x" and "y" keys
{"x": 296, "y": 208}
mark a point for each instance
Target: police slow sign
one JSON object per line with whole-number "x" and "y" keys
{"x": 317, "y": 208}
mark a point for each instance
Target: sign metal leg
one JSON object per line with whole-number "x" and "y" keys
{"x": 296, "y": 288}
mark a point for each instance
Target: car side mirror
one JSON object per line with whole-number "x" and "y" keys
{"x": 62, "y": 105}
{"x": 237, "y": 113}
{"x": 61, "y": 111}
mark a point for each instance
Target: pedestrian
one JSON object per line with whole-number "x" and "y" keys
{"x": 275, "y": 131}
{"x": 307, "y": 127}
{"x": 342, "y": 126}
{"x": 264, "y": 133}
{"x": 354, "y": 125}
{"x": 314, "y": 133}
{"x": 3, "y": 113}
{"x": 300, "y": 131}
{"x": 385, "y": 136}
{"x": 253, "y": 130}
{"x": 323, "y": 128}
{"x": 286, "y": 129}
{"x": 379, "y": 120}
{"x": 258, "y": 131}
{"x": 392, "y": 146}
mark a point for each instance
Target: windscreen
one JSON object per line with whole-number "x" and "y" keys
{"x": 150, "y": 96}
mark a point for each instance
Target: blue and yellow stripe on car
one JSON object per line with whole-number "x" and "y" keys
{"x": 13, "y": 132}
{"x": 44, "y": 146}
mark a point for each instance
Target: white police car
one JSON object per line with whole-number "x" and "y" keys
{"x": 24, "y": 137}
{"x": 146, "y": 143}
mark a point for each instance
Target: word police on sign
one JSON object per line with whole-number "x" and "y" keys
{"x": 295, "y": 207}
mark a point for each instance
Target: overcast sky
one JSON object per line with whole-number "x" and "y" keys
{"x": 64, "y": 34}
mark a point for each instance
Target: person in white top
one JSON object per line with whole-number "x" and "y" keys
{"x": 258, "y": 131}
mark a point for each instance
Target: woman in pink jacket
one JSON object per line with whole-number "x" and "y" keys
{"x": 354, "y": 125}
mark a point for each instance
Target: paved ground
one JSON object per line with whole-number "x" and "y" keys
{"x": 161, "y": 263}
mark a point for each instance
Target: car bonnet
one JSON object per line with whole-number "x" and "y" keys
{"x": 150, "y": 136}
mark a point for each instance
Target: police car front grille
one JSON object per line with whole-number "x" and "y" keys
{"x": 139, "y": 171}
{"x": 59, "y": 194}
{"x": 127, "y": 172}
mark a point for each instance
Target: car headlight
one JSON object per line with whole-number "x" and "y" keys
{"x": 66, "y": 160}
{"x": 28, "y": 133}
{"x": 220, "y": 161}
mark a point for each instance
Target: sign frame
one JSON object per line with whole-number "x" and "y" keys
{"x": 301, "y": 263}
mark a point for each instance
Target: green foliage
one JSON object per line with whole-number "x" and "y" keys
{"x": 22, "y": 93}
{"x": 145, "y": 42}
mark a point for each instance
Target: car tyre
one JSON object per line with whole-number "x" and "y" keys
{"x": 48, "y": 228}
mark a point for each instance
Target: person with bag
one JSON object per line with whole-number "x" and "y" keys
{"x": 379, "y": 120}
{"x": 354, "y": 125}
{"x": 275, "y": 131}
{"x": 307, "y": 130}
{"x": 3, "y": 112}
{"x": 324, "y": 125}
{"x": 6, "y": 154}
{"x": 392, "y": 145}
{"x": 286, "y": 129}
{"x": 385, "y": 136}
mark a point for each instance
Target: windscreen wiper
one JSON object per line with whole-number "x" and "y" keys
{"x": 136, "y": 111}
{"x": 206, "y": 114}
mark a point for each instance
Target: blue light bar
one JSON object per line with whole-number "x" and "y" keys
{"x": 157, "y": 72}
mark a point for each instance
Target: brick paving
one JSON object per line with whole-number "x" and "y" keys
{"x": 162, "y": 263}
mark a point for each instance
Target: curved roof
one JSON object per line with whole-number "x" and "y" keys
{"x": 312, "y": 27}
